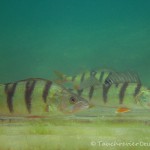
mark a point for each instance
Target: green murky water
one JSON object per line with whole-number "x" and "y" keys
{"x": 71, "y": 36}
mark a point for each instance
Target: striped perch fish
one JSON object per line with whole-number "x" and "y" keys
{"x": 110, "y": 88}
{"x": 37, "y": 96}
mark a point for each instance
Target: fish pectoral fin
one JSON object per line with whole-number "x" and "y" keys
{"x": 122, "y": 110}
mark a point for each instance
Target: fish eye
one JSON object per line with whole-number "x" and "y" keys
{"x": 72, "y": 99}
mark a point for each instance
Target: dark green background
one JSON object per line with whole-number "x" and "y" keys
{"x": 37, "y": 37}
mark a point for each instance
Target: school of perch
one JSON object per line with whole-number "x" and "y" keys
{"x": 71, "y": 94}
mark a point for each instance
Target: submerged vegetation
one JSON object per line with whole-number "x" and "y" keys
{"x": 74, "y": 133}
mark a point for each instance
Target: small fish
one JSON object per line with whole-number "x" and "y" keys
{"x": 36, "y": 95}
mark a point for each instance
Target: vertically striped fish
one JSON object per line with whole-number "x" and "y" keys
{"x": 35, "y": 96}
{"x": 115, "y": 89}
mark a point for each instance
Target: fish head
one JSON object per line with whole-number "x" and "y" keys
{"x": 72, "y": 103}
{"x": 144, "y": 98}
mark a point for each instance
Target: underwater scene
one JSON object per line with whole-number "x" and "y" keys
{"x": 74, "y": 74}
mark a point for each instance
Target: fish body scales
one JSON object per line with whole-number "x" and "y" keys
{"x": 113, "y": 95}
{"x": 88, "y": 78}
{"x": 26, "y": 96}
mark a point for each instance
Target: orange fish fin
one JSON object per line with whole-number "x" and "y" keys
{"x": 122, "y": 110}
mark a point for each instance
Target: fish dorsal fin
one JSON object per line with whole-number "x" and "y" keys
{"x": 60, "y": 75}
{"x": 117, "y": 77}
